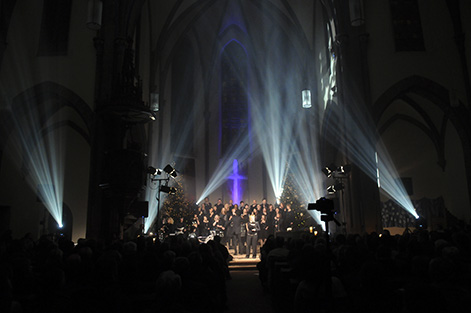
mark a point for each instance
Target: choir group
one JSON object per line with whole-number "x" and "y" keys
{"x": 242, "y": 227}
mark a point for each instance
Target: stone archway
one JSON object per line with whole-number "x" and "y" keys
{"x": 438, "y": 95}
{"x": 42, "y": 102}
{"x": 51, "y": 92}
{"x": 60, "y": 95}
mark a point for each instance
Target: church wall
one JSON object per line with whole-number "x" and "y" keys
{"x": 415, "y": 156}
{"x": 76, "y": 182}
{"x": 23, "y": 68}
{"x": 199, "y": 138}
{"x": 26, "y": 211}
{"x": 439, "y": 62}
{"x": 207, "y": 46}
{"x": 457, "y": 202}
{"x": 412, "y": 151}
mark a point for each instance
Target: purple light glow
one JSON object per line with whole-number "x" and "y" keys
{"x": 236, "y": 185}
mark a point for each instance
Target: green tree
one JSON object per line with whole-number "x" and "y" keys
{"x": 177, "y": 205}
{"x": 291, "y": 195}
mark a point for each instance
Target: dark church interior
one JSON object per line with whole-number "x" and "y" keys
{"x": 235, "y": 156}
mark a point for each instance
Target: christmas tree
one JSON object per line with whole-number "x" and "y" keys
{"x": 177, "y": 205}
{"x": 291, "y": 195}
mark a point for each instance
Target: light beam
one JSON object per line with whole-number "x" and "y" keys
{"x": 43, "y": 158}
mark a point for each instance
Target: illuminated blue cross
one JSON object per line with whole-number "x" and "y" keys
{"x": 236, "y": 185}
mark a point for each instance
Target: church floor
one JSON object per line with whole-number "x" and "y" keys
{"x": 244, "y": 291}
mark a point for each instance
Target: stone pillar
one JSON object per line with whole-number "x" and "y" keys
{"x": 361, "y": 198}
{"x": 117, "y": 169}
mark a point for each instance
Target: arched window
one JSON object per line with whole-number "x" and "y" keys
{"x": 234, "y": 119}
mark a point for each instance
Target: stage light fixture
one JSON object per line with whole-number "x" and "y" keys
{"x": 344, "y": 169}
{"x": 170, "y": 171}
{"x": 331, "y": 189}
{"x": 329, "y": 170}
{"x": 169, "y": 190}
{"x": 154, "y": 171}
{"x": 336, "y": 187}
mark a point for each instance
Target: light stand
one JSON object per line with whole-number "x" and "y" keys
{"x": 344, "y": 223}
{"x": 339, "y": 174}
{"x": 157, "y": 197}
{"x": 326, "y": 208}
{"x": 170, "y": 172}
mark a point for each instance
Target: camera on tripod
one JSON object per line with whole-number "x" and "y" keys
{"x": 326, "y": 207}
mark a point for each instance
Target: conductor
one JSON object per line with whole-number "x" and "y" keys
{"x": 234, "y": 231}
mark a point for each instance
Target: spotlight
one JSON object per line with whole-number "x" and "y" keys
{"x": 421, "y": 223}
{"x": 154, "y": 171}
{"x": 169, "y": 190}
{"x": 328, "y": 170}
{"x": 344, "y": 169}
{"x": 170, "y": 171}
{"x": 336, "y": 187}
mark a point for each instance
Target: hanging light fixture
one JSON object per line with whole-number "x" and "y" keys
{"x": 306, "y": 91}
{"x": 95, "y": 10}
{"x": 306, "y": 98}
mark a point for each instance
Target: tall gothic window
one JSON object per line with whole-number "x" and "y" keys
{"x": 234, "y": 99}
{"x": 54, "y": 33}
{"x": 407, "y": 28}
{"x": 182, "y": 117}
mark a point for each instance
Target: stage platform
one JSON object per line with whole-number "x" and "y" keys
{"x": 240, "y": 262}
